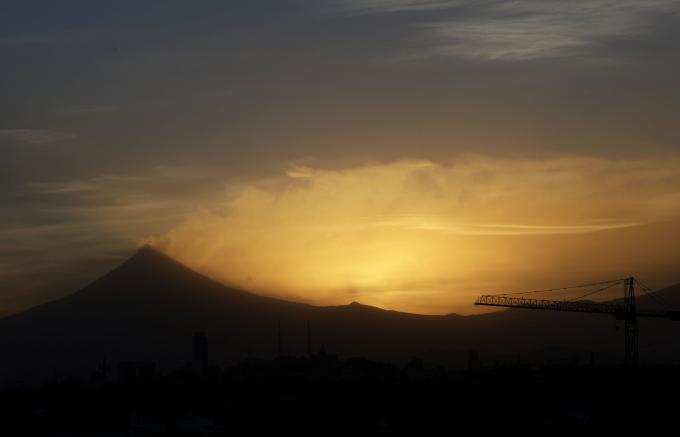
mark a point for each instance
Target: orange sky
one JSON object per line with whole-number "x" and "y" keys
{"x": 424, "y": 237}
{"x": 403, "y": 153}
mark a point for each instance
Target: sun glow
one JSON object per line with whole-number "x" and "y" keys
{"x": 427, "y": 237}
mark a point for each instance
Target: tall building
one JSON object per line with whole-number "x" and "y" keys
{"x": 200, "y": 361}
{"x": 474, "y": 363}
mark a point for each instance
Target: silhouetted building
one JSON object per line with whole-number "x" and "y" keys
{"x": 473, "y": 360}
{"x": 136, "y": 372}
{"x": 200, "y": 361}
{"x": 309, "y": 339}
{"x": 279, "y": 346}
{"x": 102, "y": 372}
{"x": 415, "y": 365}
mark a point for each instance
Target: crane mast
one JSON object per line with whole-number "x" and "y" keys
{"x": 630, "y": 323}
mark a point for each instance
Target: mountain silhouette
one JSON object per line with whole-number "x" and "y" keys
{"x": 149, "y": 307}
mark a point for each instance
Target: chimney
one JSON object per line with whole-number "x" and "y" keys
{"x": 309, "y": 339}
{"x": 200, "y": 360}
{"x": 279, "y": 346}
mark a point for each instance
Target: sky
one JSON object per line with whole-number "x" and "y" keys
{"x": 409, "y": 154}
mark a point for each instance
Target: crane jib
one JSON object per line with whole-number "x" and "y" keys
{"x": 626, "y": 311}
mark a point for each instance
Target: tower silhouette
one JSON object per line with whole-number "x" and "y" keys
{"x": 279, "y": 347}
{"x": 200, "y": 357}
{"x": 309, "y": 339}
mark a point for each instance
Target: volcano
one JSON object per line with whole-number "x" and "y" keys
{"x": 149, "y": 307}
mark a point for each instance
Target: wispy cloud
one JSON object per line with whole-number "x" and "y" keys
{"x": 382, "y": 6}
{"x": 34, "y": 136}
{"x": 521, "y": 30}
{"x": 438, "y": 224}
{"x": 46, "y": 38}
{"x": 92, "y": 109}
{"x": 537, "y": 29}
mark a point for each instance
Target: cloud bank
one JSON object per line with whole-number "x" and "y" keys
{"x": 422, "y": 236}
{"x": 411, "y": 235}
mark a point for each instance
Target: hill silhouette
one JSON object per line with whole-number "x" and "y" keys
{"x": 149, "y": 307}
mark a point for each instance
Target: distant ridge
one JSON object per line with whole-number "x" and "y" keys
{"x": 149, "y": 306}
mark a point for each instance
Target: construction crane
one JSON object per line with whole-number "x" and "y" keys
{"x": 626, "y": 312}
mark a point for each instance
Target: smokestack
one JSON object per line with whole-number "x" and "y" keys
{"x": 278, "y": 334}
{"x": 200, "y": 361}
{"x": 309, "y": 339}
{"x": 474, "y": 363}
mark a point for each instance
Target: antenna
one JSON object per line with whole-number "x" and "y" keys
{"x": 309, "y": 339}
{"x": 278, "y": 334}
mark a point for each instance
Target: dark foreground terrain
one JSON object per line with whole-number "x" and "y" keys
{"x": 326, "y": 394}
{"x": 147, "y": 308}
{"x": 133, "y": 324}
